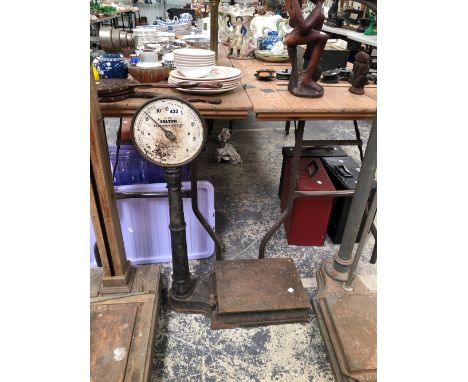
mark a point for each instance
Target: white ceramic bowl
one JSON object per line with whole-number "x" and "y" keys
{"x": 193, "y": 52}
{"x": 194, "y": 64}
{"x": 195, "y": 71}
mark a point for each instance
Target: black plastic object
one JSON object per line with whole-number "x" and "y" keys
{"x": 265, "y": 74}
{"x": 283, "y": 74}
{"x": 344, "y": 173}
{"x": 309, "y": 152}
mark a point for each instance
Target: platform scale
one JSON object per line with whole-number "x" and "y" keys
{"x": 170, "y": 132}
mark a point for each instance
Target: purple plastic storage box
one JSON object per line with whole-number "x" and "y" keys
{"x": 145, "y": 224}
{"x": 132, "y": 168}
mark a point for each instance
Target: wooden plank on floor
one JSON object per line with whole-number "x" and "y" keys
{"x": 111, "y": 335}
{"x": 147, "y": 278}
{"x": 95, "y": 281}
{"x": 145, "y": 298}
{"x": 141, "y": 352}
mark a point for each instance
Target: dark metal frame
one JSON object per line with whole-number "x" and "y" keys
{"x": 293, "y": 194}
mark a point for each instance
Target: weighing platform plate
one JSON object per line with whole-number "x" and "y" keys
{"x": 259, "y": 285}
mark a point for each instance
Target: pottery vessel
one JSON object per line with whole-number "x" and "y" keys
{"x": 270, "y": 38}
{"x": 111, "y": 65}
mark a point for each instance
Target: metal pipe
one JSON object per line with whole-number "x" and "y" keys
{"x": 299, "y": 135}
{"x": 214, "y": 4}
{"x": 342, "y": 259}
{"x": 334, "y": 142}
{"x": 142, "y": 195}
{"x": 364, "y": 236}
{"x": 182, "y": 285}
{"x": 335, "y": 194}
{"x": 358, "y": 138}
{"x": 198, "y": 214}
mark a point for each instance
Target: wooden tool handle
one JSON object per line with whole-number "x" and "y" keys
{"x": 182, "y": 84}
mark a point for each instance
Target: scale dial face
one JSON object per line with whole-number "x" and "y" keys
{"x": 168, "y": 131}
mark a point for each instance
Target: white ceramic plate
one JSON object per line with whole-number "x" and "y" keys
{"x": 218, "y": 73}
{"x": 193, "y": 52}
{"x": 224, "y": 84}
{"x": 148, "y": 64}
{"x": 207, "y": 91}
{"x": 191, "y": 62}
{"x": 195, "y": 71}
{"x": 190, "y": 59}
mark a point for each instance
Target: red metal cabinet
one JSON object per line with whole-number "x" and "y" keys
{"x": 307, "y": 224}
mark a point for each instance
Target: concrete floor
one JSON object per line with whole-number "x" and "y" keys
{"x": 246, "y": 205}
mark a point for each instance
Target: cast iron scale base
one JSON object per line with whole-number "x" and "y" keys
{"x": 169, "y": 132}
{"x": 247, "y": 293}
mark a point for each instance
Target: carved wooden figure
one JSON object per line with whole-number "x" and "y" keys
{"x": 360, "y": 71}
{"x": 306, "y": 31}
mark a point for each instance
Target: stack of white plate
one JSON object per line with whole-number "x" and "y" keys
{"x": 228, "y": 77}
{"x": 196, "y": 63}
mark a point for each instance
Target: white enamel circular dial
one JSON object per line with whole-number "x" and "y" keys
{"x": 168, "y": 131}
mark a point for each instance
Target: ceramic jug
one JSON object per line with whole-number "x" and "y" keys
{"x": 112, "y": 65}
{"x": 271, "y": 37}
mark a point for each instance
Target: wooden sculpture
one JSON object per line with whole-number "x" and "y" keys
{"x": 306, "y": 31}
{"x": 360, "y": 71}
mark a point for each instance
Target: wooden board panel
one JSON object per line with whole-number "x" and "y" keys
{"x": 95, "y": 281}
{"x": 147, "y": 278}
{"x": 111, "y": 335}
{"x": 145, "y": 295}
{"x": 109, "y": 238}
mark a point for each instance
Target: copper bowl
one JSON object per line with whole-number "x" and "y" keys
{"x": 145, "y": 75}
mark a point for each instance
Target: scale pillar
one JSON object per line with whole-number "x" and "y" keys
{"x": 182, "y": 285}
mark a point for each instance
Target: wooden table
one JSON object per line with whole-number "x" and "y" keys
{"x": 236, "y": 104}
{"x": 352, "y": 35}
{"x": 271, "y": 100}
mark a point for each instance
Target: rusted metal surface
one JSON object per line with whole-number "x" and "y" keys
{"x": 198, "y": 214}
{"x": 259, "y": 286}
{"x": 247, "y": 293}
{"x": 348, "y": 322}
{"x": 202, "y": 299}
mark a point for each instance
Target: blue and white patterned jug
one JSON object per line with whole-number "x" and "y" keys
{"x": 112, "y": 65}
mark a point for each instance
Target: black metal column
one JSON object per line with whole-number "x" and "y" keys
{"x": 343, "y": 259}
{"x": 181, "y": 279}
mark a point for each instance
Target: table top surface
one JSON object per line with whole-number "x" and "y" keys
{"x": 360, "y": 37}
{"x": 270, "y": 100}
{"x": 107, "y": 18}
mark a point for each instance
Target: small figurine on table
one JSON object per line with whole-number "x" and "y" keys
{"x": 229, "y": 29}
{"x": 360, "y": 71}
{"x": 306, "y": 31}
{"x": 239, "y": 33}
{"x": 370, "y": 31}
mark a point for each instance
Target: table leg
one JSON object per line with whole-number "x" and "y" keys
{"x": 342, "y": 260}
{"x": 299, "y": 135}
{"x": 358, "y": 138}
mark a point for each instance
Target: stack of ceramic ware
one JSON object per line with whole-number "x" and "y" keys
{"x": 194, "y": 63}
{"x": 228, "y": 77}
